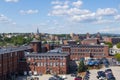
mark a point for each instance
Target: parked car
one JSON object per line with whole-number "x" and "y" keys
{"x": 118, "y": 63}
{"x": 108, "y": 71}
{"x": 109, "y": 74}
{"x": 78, "y": 78}
{"x": 101, "y": 75}
{"x": 73, "y": 75}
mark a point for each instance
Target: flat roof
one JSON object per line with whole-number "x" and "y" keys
{"x": 56, "y": 50}
{"x": 47, "y": 54}
{"x": 14, "y": 49}
{"x": 95, "y": 45}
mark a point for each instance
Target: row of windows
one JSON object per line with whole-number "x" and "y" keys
{"x": 50, "y": 58}
{"x": 49, "y": 64}
{"x": 87, "y": 46}
{"x": 82, "y": 54}
{"x": 87, "y": 50}
{"x": 78, "y": 54}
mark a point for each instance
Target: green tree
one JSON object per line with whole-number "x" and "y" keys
{"x": 118, "y": 45}
{"x": 81, "y": 67}
{"x": 109, "y": 44}
{"x": 117, "y": 56}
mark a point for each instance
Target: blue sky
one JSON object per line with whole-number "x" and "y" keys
{"x": 60, "y": 16}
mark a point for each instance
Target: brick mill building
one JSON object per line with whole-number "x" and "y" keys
{"x": 79, "y": 51}
{"x": 9, "y": 61}
{"x": 90, "y": 41}
{"x": 113, "y": 40}
{"x": 31, "y": 60}
{"x": 48, "y": 63}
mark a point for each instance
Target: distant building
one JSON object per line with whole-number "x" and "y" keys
{"x": 36, "y": 45}
{"x": 69, "y": 42}
{"x": 114, "y": 50}
{"x": 72, "y": 35}
{"x": 113, "y": 40}
{"x": 98, "y": 36}
{"x": 76, "y": 37}
{"x": 79, "y": 51}
{"x": 90, "y": 41}
{"x": 87, "y": 36}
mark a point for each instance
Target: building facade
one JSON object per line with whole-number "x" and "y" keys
{"x": 36, "y": 45}
{"x": 9, "y": 61}
{"x": 113, "y": 40}
{"x": 90, "y": 41}
{"x": 79, "y": 51}
{"x": 47, "y": 63}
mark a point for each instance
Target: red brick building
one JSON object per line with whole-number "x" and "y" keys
{"x": 79, "y": 51}
{"x": 9, "y": 61}
{"x": 90, "y": 41}
{"x": 69, "y": 42}
{"x": 36, "y": 45}
{"x": 113, "y": 40}
{"x": 48, "y": 63}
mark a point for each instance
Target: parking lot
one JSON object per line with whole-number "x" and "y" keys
{"x": 115, "y": 70}
{"x": 45, "y": 77}
{"x": 93, "y": 74}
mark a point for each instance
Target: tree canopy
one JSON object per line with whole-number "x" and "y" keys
{"x": 109, "y": 44}
{"x": 118, "y": 45}
{"x": 15, "y": 40}
{"x": 81, "y": 67}
{"x": 117, "y": 56}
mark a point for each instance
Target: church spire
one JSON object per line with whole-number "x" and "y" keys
{"x": 37, "y": 31}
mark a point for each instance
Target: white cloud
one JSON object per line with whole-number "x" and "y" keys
{"x": 106, "y": 11}
{"x": 87, "y": 17}
{"x": 77, "y": 11}
{"x": 74, "y": 12}
{"x": 23, "y": 12}
{"x": 61, "y": 7}
{"x": 56, "y": 2}
{"x": 102, "y": 21}
{"x": 11, "y": 0}
{"x": 117, "y": 17}
{"x": 77, "y": 3}
{"x": 110, "y": 29}
{"x": 5, "y": 20}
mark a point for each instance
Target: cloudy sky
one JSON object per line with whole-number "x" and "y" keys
{"x": 60, "y": 16}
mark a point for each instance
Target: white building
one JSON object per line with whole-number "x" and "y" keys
{"x": 114, "y": 50}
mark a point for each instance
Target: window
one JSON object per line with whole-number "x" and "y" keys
{"x": 38, "y": 64}
{"x": 44, "y": 63}
{"x": 15, "y": 53}
{"x": 11, "y": 54}
{"x": 41, "y": 64}
{"x": 63, "y": 63}
{"x": 50, "y": 63}
{"x": 29, "y": 59}
{"x": 60, "y": 63}
{"x": 54, "y": 64}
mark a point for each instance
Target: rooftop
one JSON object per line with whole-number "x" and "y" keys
{"x": 95, "y": 45}
{"x": 56, "y": 50}
{"x": 14, "y": 49}
{"x": 47, "y": 54}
